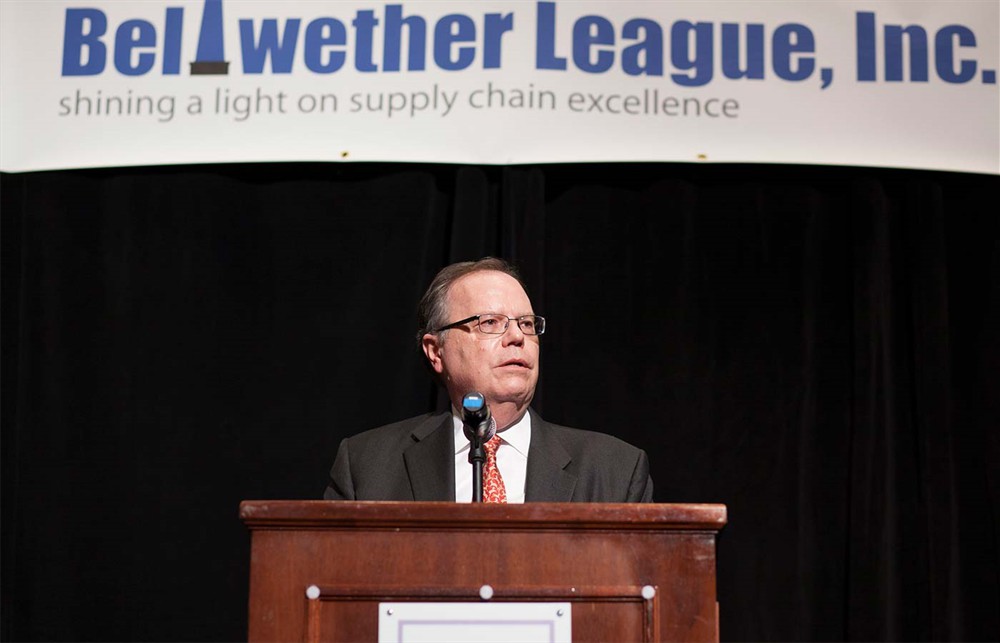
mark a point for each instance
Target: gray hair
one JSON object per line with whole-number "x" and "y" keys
{"x": 432, "y": 308}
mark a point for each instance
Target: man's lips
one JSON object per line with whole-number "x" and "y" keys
{"x": 515, "y": 362}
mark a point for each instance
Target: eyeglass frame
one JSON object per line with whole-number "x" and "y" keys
{"x": 505, "y": 328}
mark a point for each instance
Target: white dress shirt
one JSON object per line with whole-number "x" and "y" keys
{"x": 512, "y": 459}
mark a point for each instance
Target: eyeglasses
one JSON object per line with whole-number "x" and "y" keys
{"x": 495, "y": 324}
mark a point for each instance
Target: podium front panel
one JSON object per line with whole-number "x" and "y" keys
{"x": 319, "y": 569}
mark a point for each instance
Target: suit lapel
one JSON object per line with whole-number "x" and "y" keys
{"x": 430, "y": 461}
{"x": 547, "y": 477}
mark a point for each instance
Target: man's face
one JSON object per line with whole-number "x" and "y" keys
{"x": 504, "y": 367}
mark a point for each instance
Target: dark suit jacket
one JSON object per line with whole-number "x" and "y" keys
{"x": 415, "y": 460}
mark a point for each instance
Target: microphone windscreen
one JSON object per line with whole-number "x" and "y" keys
{"x": 473, "y": 402}
{"x": 491, "y": 430}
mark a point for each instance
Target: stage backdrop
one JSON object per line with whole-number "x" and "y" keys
{"x": 816, "y": 348}
{"x": 89, "y": 83}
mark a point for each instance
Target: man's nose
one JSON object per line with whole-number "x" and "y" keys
{"x": 513, "y": 334}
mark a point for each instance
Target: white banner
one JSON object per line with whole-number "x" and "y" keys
{"x": 87, "y": 83}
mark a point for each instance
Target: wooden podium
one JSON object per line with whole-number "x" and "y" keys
{"x": 635, "y": 572}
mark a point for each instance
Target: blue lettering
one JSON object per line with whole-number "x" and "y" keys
{"x": 320, "y": 34}
{"x": 918, "y": 53}
{"x": 172, "y": 41}
{"x": 133, "y": 34}
{"x": 731, "y": 52}
{"x": 589, "y": 31}
{"x": 417, "y": 28}
{"x": 76, "y": 40}
{"x": 680, "y": 35}
{"x": 865, "y": 29}
{"x": 364, "y": 26}
{"x": 788, "y": 40}
{"x": 496, "y": 27}
{"x": 545, "y": 38}
{"x": 944, "y": 54}
{"x": 255, "y": 51}
{"x": 649, "y": 50}
{"x": 450, "y": 29}
{"x": 894, "y": 52}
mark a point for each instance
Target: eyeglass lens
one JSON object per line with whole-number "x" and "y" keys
{"x": 497, "y": 324}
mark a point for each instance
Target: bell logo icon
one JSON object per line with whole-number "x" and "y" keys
{"x": 211, "y": 58}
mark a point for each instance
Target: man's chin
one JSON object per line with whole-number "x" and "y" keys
{"x": 519, "y": 396}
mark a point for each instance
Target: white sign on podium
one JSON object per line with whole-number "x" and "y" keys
{"x": 481, "y": 622}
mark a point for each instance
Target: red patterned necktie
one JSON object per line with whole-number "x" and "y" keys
{"x": 493, "y": 488}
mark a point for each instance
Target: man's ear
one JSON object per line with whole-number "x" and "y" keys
{"x": 433, "y": 349}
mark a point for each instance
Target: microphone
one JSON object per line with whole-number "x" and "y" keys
{"x": 479, "y": 427}
{"x": 478, "y": 422}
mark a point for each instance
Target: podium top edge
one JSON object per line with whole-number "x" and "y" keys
{"x": 333, "y": 514}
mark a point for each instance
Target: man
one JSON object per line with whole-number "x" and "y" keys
{"x": 480, "y": 333}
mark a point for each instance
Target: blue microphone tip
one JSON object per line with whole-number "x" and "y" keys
{"x": 473, "y": 401}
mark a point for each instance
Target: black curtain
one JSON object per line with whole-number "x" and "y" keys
{"x": 815, "y": 347}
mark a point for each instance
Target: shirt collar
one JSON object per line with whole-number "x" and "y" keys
{"x": 517, "y": 435}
